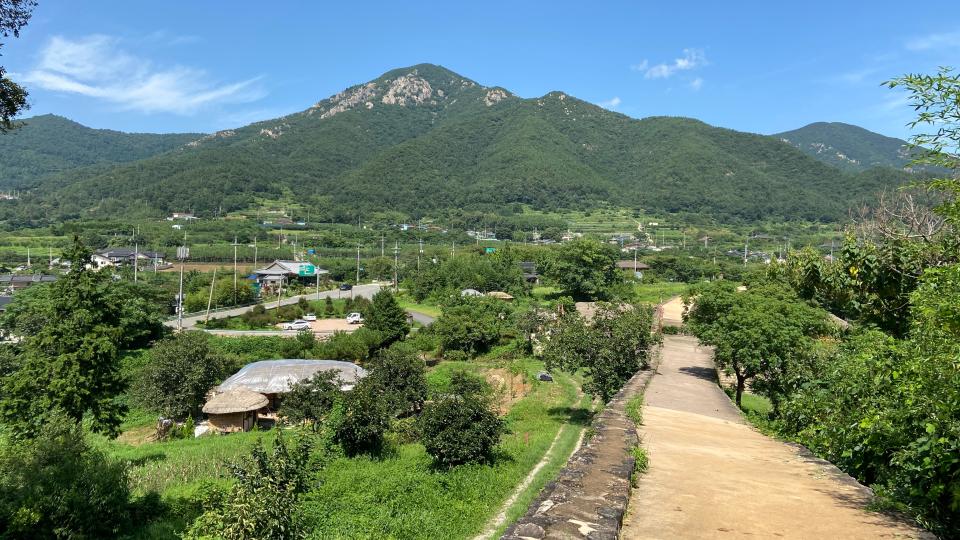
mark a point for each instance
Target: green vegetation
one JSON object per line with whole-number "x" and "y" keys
{"x": 847, "y": 147}
{"x": 461, "y": 426}
{"x": 610, "y": 350}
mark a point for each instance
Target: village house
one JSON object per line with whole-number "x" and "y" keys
{"x": 633, "y": 268}
{"x": 253, "y": 395}
{"x": 275, "y": 274}
{"x": 186, "y": 216}
{"x": 125, "y": 256}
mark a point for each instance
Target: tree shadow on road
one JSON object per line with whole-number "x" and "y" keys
{"x": 700, "y": 372}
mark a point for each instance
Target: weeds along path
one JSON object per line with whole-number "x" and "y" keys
{"x": 712, "y": 476}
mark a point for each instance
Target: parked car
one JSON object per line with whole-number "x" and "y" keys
{"x": 345, "y": 286}
{"x": 310, "y": 317}
{"x": 354, "y": 318}
{"x": 298, "y": 324}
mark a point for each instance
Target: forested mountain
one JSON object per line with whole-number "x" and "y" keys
{"x": 48, "y": 144}
{"x": 848, "y": 147}
{"x": 424, "y": 139}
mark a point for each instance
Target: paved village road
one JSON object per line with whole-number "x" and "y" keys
{"x": 713, "y": 476}
{"x": 367, "y": 291}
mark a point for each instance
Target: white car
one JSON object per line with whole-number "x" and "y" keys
{"x": 298, "y": 324}
{"x": 354, "y": 318}
{"x": 310, "y": 317}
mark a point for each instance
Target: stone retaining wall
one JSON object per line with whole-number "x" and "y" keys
{"x": 590, "y": 495}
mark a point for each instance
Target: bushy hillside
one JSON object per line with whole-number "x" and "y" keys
{"x": 423, "y": 139}
{"x": 848, "y": 147}
{"x": 48, "y": 144}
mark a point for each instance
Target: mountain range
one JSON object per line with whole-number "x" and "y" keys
{"x": 424, "y": 140}
{"x": 848, "y": 147}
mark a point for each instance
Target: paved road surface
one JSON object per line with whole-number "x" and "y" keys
{"x": 713, "y": 476}
{"x": 366, "y": 291}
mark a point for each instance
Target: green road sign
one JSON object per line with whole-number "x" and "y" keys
{"x": 307, "y": 269}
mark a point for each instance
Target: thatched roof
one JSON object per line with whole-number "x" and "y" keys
{"x": 500, "y": 295}
{"x": 235, "y": 400}
{"x": 277, "y": 376}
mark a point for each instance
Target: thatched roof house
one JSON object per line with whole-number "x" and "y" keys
{"x": 256, "y": 390}
{"x": 500, "y": 295}
{"x": 234, "y": 410}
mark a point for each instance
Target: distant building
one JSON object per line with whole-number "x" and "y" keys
{"x": 186, "y": 216}
{"x": 276, "y": 273}
{"x": 124, "y": 256}
{"x": 530, "y": 274}
{"x": 254, "y": 394}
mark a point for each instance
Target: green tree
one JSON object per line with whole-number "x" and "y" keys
{"x": 328, "y": 309}
{"x": 264, "y": 501}
{"x": 401, "y": 376}
{"x": 57, "y": 486}
{"x": 763, "y": 332}
{"x": 311, "y": 401}
{"x": 471, "y": 324}
{"x": 70, "y": 361}
{"x": 14, "y": 15}
{"x": 387, "y": 317}
{"x": 461, "y": 427}
{"x": 181, "y": 371}
{"x": 586, "y": 268}
{"x": 365, "y": 419}
{"x": 612, "y": 347}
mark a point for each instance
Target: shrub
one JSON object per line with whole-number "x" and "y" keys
{"x": 471, "y": 324}
{"x": 311, "y": 400}
{"x": 57, "y": 486}
{"x": 263, "y": 503}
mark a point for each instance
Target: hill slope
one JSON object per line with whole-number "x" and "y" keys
{"x": 48, "y": 144}
{"x": 426, "y": 140}
{"x": 848, "y": 147}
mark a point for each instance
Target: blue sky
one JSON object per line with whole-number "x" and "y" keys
{"x": 751, "y": 66}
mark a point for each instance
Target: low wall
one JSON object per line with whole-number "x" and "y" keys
{"x": 590, "y": 495}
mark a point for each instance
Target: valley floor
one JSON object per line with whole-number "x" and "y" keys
{"x": 713, "y": 476}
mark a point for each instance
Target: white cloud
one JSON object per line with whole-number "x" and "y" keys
{"x": 691, "y": 59}
{"x": 95, "y": 66}
{"x": 696, "y": 84}
{"x": 949, "y": 40}
{"x": 611, "y": 103}
{"x": 642, "y": 66}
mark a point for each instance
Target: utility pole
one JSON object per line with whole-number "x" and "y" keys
{"x": 136, "y": 260}
{"x": 280, "y": 238}
{"x": 453, "y": 252}
{"x": 28, "y": 257}
{"x": 396, "y": 265}
{"x": 234, "y": 270}
{"x": 279, "y": 292}
{"x": 419, "y": 253}
{"x": 745, "y": 253}
{"x": 254, "y": 252}
{"x": 381, "y": 245}
{"x": 357, "y": 282}
{"x": 180, "y": 300}
{"x": 210, "y": 297}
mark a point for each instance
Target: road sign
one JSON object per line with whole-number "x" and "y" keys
{"x": 307, "y": 269}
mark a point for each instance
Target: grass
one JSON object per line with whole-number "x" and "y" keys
{"x": 403, "y": 496}
{"x": 168, "y": 467}
{"x": 399, "y": 494}
{"x": 411, "y": 305}
{"x": 654, "y": 293}
{"x": 634, "y": 409}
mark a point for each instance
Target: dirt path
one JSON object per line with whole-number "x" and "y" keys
{"x": 712, "y": 476}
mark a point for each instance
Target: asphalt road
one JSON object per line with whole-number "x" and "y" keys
{"x": 366, "y": 291}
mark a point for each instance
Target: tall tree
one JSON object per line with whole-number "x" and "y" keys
{"x": 586, "y": 268}
{"x": 14, "y": 15}
{"x": 387, "y": 317}
{"x": 70, "y": 361}
{"x": 181, "y": 371}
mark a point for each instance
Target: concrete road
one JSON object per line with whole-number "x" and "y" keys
{"x": 367, "y": 291}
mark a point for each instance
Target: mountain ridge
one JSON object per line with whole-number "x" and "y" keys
{"x": 424, "y": 139}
